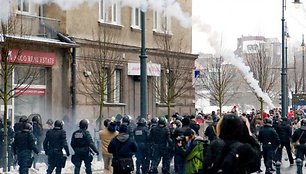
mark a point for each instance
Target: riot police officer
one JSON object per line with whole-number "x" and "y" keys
{"x": 160, "y": 139}
{"x": 53, "y": 144}
{"x": 23, "y": 145}
{"x": 83, "y": 145}
{"x": 141, "y": 134}
{"x": 270, "y": 142}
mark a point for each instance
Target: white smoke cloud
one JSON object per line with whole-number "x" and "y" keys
{"x": 169, "y": 7}
{"x": 248, "y": 76}
{"x": 5, "y": 10}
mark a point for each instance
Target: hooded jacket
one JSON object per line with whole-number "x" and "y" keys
{"x": 122, "y": 146}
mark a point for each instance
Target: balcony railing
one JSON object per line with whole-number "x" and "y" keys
{"x": 36, "y": 26}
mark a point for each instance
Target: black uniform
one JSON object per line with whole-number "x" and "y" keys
{"x": 141, "y": 136}
{"x": 83, "y": 145}
{"x": 284, "y": 131}
{"x": 270, "y": 142}
{"x": 53, "y": 144}
{"x": 160, "y": 139}
{"x": 23, "y": 145}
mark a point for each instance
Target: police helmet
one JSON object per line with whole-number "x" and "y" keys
{"x": 154, "y": 120}
{"x": 142, "y": 121}
{"x": 162, "y": 120}
{"x": 35, "y": 119}
{"x": 126, "y": 119}
{"x": 49, "y": 122}
{"x": 23, "y": 119}
{"x": 83, "y": 124}
{"x": 178, "y": 123}
{"x": 27, "y": 127}
{"x": 59, "y": 124}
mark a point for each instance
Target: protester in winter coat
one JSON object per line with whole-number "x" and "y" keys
{"x": 270, "y": 142}
{"x": 300, "y": 136}
{"x": 284, "y": 132}
{"x": 122, "y": 147}
{"x": 23, "y": 145}
{"x": 235, "y": 152}
{"x": 193, "y": 150}
{"x": 106, "y": 135}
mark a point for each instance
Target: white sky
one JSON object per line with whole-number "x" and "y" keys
{"x": 218, "y": 23}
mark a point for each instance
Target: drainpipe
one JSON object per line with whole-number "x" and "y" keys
{"x": 64, "y": 38}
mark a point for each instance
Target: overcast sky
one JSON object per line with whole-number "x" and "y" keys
{"x": 218, "y": 23}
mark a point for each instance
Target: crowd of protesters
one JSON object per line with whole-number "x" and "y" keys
{"x": 211, "y": 143}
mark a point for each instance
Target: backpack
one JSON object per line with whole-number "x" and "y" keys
{"x": 228, "y": 160}
{"x": 194, "y": 159}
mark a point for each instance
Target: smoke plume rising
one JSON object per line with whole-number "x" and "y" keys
{"x": 170, "y": 8}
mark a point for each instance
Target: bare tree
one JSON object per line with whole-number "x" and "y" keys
{"x": 16, "y": 78}
{"x": 265, "y": 69}
{"x": 176, "y": 70}
{"x": 219, "y": 82}
{"x": 99, "y": 66}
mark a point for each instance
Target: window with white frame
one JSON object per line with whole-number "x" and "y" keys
{"x": 136, "y": 17}
{"x": 24, "y": 6}
{"x": 109, "y": 13}
{"x": 161, "y": 22}
{"x": 102, "y": 10}
{"x": 117, "y": 86}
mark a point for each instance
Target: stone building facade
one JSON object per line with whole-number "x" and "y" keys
{"x": 107, "y": 33}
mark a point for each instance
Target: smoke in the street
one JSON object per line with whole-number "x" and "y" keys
{"x": 170, "y": 8}
{"x": 248, "y": 76}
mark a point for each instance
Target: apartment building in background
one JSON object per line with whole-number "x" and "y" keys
{"x": 100, "y": 44}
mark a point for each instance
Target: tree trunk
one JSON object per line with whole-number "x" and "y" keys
{"x": 169, "y": 109}
{"x": 261, "y": 107}
{"x": 5, "y": 103}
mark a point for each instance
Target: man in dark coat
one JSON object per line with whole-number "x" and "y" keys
{"x": 300, "y": 135}
{"x": 122, "y": 146}
{"x": 53, "y": 144}
{"x": 83, "y": 145}
{"x": 141, "y": 136}
{"x": 23, "y": 145}
{"x": 270, "y": 142}
{"x": 161, "y": 144}
{"x": 284, "y": 132}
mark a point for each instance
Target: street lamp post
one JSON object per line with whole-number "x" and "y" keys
{"x": 283, "y": 69}
{"x": 303, "y": 62}
{"x": 143, "y": 69}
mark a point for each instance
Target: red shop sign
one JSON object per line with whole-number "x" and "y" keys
{"x": 32, "y": 57}
{"x": 31, "y": 91}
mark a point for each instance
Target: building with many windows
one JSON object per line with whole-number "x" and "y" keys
{"x": 88, "y": 58}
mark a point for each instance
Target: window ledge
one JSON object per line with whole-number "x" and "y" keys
{"x": 135, "y": 28}
{"x": 114, "y": 104}
{"x": 25, "y": 14}
{"x": 164, "y": 104}
{"x": 111, "y": 25}
{"x": 162, "y": 33}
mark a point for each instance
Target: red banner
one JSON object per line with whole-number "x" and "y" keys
{"x": 32, "y": 57}
{"x": 31, "y": 91}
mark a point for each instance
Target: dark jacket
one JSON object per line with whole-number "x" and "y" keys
{"x": 216, "y": 157}
{"x": 284, "y": 132}
{"x": 82, "y": 143}
{"x": 268, "y": 135}
{"x": 297, "y": 134}
{"x": 160, "y": 135}
{"x": 122, "y": 146}
{"x": 24, "y": 141}
{"x": 55, "y": 141}
{"x": 141, "y": 134}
